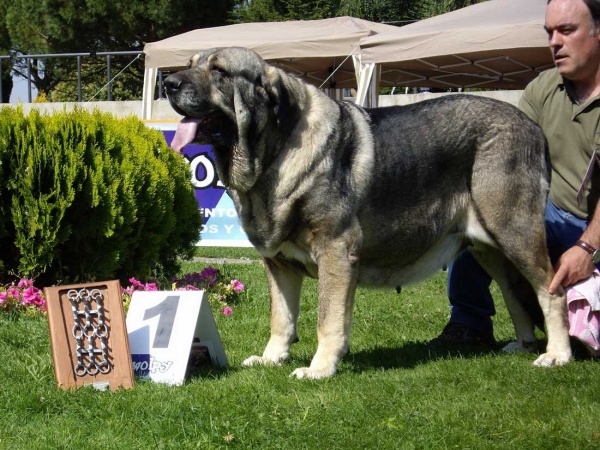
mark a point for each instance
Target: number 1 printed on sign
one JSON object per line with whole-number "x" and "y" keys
{"x": 167, "y": 309}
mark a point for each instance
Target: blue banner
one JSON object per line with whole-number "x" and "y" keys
{"x": 221, "y": 227}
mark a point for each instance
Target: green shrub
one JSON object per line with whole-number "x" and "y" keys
{"x": 85, "y": 196}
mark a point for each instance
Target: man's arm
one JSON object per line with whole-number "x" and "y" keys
{"x": 576, "y": 264}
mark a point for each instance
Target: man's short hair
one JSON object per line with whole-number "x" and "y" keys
{"x": 594, "y": 7}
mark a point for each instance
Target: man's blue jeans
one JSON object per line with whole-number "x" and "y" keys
{"x": 469, "y": 285}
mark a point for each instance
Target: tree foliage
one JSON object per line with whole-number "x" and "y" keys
{"x": 5, "y": 73}
{"x": 437, "y": 7}
{"x": 73, "y": 26}
{"x": 282, "y": 10}
{"x": 397, "y": 12}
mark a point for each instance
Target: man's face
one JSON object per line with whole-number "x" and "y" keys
{"x": 574, "y": 42}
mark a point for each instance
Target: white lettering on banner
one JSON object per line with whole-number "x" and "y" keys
{"x": 218, "y": 212}
{"x": 214, "y": 229}
{"x": 210, "y": 229}
{"x": 210, "y": 179}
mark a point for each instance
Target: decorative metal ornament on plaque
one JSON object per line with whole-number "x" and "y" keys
{"x": 89, "y": 331}
{"x": 89, "y": 336}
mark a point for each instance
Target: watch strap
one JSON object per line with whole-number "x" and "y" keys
{"x": 587, "y": 247}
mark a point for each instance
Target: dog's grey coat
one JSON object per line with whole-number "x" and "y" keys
{"x": 383, "y": 197}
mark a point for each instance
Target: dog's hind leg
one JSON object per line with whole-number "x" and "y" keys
{"x": 533, "y": 263}
{"x": 516, "y": 291}
{"x": 554, "y": 307}
{"x": 285, "y": 288}
{"x": 509, "y": 189}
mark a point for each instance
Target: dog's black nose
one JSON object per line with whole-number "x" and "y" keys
{"x": 173, "y": 83}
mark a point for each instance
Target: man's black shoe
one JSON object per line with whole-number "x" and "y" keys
{"x": 458, "y": 336}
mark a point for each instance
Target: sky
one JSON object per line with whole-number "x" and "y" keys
{"x": 19, "y": 92}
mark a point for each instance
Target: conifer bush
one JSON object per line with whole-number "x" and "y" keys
{"x": 86, "y": 196}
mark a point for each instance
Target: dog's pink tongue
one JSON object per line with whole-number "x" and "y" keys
{"x": 186, "y": 132}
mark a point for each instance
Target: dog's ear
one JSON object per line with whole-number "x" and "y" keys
{"x": 279, "y": 98}
{"x": 244, "y": 167}
{"x": 254, "y": 100}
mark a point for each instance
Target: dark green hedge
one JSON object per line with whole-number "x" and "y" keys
{"x": 86, "y": 196}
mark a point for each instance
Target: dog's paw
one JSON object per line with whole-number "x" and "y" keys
{"x": 260, "y": 361}
{"x": 311, "y": 374}
{"x": 553, "y": 359}
{"x": 520, "y": 347}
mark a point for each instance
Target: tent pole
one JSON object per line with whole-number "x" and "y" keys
{"x": 148, "y": 93}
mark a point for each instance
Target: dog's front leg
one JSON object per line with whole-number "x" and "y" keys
{"x": 338, "y": 273}
{"x": 284, "y": 288}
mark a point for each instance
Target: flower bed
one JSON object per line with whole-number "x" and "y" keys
{"x": 223, "y": 292}
{"x": 23, "y": 296}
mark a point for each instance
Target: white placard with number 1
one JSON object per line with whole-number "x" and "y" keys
{"x": 164, "y": 327}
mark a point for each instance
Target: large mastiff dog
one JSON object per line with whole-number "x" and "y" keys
{"x": 381, "y": 197}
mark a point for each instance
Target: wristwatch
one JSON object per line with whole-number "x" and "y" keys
{"x": 593, "y": 251}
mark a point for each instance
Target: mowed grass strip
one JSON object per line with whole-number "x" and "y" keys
{"x": 390, "y": 392}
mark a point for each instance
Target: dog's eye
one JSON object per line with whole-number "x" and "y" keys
{"x": 217, "y": 71}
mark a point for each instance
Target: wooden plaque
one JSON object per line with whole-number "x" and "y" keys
{"x": 112, "y": 346}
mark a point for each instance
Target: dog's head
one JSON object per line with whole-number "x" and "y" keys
{"x": 232, "y": 99}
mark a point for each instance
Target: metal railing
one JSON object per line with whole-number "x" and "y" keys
{"x": 79, "y": 56}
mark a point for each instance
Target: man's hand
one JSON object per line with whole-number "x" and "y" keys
{"x": 574, "y": 265}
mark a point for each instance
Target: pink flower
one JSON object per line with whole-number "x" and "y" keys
{"x": 42, "y": 305}
{"x": 3, "y": 297}
{"x": 40, "y": 302}
{"x": 14, "y": 293}
{"x": 189, "y": 287}
{"x": 237, "y": 286}
{"x": 227, "y": 311}
{"x": 151, "y": 287}
{"x": 135, "y": 283}
{"x": 25, "y": 283}
{"x": 31, "y": 295}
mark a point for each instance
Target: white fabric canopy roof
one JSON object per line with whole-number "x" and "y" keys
{"x": 497, "y": 44}
{"x": 312, "y": 49}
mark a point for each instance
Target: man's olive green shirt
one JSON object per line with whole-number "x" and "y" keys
{"x": 573, "y": 132}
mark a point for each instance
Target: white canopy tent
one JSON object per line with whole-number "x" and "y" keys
{"x": 496, "y": 44}
{"x": 323, "y": 52}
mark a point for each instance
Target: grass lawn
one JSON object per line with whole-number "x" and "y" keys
{"x": 390, "y": 392}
